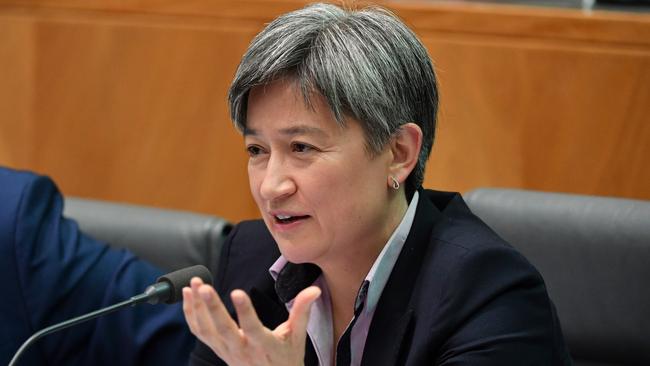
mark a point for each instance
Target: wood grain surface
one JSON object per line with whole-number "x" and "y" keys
{"x": 126, "y": 100}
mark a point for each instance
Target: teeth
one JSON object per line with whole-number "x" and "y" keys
{"x": 282, "y": 217}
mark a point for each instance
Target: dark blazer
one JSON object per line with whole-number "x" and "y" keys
{"x": 458, "y": 295}
{"x": 51, "y": 272}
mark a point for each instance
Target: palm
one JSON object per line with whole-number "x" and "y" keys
{"x": 250, "y": 342}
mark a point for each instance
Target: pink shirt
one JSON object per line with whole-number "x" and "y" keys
{"x": 320, "y": 328}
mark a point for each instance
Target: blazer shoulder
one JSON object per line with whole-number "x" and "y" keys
{"x": 17, "y": 184}
{"x": 247, "y": 254}
{"x": 462, "y": 245}
{"x": 13, "y": 177}
{"x": 25, "y": 198}
{"x": 485, "y": 292}
{"x": 250, "y": 240}
{"x": 460, "y": 226}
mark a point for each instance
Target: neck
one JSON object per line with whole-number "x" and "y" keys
{"x": 345, "y": 275}
{"x": 343, "y": 291}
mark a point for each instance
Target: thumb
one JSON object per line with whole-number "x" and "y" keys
{"x": 299, "y": 315}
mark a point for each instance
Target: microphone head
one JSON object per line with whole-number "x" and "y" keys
{"x": 181, "y": 278}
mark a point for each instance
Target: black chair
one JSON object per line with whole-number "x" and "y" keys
{"x": 169, "y": 239}
{"x": 594, "y": 254}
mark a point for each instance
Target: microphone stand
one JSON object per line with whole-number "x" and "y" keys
{"x": 151, "y": 295}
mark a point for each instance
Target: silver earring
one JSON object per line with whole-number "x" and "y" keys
{"x": 395, "y": 183}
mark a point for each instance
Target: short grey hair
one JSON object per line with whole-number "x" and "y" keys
{"x": 366, "y": 63}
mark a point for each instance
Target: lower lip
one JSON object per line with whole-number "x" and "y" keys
{"x": 284, "y": 227}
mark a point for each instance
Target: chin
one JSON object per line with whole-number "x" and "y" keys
{"x": 297, "y": 252}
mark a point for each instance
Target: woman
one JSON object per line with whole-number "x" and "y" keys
{"x": 354, "y": 263}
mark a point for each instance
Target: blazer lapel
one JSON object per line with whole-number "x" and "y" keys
{"x": 388, "y": 333}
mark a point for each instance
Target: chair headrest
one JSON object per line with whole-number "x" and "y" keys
{"x": 170, "y": 239}
{"x": 594, "y": 255}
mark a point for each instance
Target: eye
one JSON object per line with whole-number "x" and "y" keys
{"x": 254, "y": 150}
{"x": 301, "y": 147}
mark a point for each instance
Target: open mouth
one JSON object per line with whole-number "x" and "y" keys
{"x": 282, "y": 219}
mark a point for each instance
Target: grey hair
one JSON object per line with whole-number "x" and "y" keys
{"x": 366, "y": 63}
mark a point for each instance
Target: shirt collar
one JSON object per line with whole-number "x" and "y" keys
{"x": 383, "y": 266}
{"x": 291, "y": 278}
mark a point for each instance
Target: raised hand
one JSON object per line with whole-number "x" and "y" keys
{"x": 250, "y": 342}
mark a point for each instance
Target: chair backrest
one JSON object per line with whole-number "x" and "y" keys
{"x": 169, "y": 239}
{"x": 594, "y": 254}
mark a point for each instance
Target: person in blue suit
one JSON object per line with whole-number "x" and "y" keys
{"x": 53, "y": 272}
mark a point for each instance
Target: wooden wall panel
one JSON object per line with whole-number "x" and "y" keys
{"x": 126, "y": 100}
{"x": 16, "y": 81}
{"x": 133, "y": 111}
{"x": 570, "y": 119}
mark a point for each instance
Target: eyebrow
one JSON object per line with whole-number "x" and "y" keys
{"x": 292, "y": 131}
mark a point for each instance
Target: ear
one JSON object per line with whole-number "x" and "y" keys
{"x": 405, "y": 147}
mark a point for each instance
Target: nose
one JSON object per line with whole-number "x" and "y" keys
{"x": 277, "y": 182}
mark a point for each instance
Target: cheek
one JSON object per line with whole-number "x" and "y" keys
{"x": 345, "y": 194}
{"x": 365, "y": 179}
{"x": 365, "y": 191}
{"x": 254, "y": 182}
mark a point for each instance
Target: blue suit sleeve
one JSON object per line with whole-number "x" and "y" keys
{"x": 55, "y": 272}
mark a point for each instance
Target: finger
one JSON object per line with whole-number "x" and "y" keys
{"x": 195, "y": 283}
{"x": 188, "y": 303}
{"x": 213, "y": 313}
{"x": 249, "y": 322}
{"x": 199, "y": 318}
{"x": 299, "y": 315}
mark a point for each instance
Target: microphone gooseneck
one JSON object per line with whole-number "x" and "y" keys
{"x": 167, "y": 289}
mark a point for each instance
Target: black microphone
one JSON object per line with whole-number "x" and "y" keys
{"x": 167, "y": 289}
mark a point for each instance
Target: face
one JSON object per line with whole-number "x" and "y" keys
{"x": 322, "y": 196}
